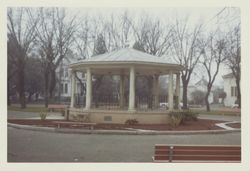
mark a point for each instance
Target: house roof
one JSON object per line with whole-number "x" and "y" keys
{"x": 203, "y": 81}
{"x": 230, "y": 75}
{"x": 126, "y": 56}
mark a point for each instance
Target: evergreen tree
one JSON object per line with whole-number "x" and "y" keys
{"x": 100, "y": 46}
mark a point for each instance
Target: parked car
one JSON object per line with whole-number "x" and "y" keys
{"x": 235, "y": 106}
{"x": 165, "y": 104}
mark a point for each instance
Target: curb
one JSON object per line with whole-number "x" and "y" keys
{"x": 224, "y": 125}
{"x": 118, "y": 132}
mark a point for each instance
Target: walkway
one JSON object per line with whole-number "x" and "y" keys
{"x": 36, "y": 146}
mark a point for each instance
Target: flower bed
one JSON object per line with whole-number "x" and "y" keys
{"x": 200, "y": 124}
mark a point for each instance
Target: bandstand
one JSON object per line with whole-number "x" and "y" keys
{"x": 126, "y": 63}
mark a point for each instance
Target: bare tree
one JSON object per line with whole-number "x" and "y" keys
{"x": 83, "y": 38}
{"x": 152, "y": 36}
{"x": 116, "y": 31}
{"x": 55, "y": 34}
{"x": 11, "y": 69}
{"x": 21, "y": 36}
{"x": 185, "y": 51}
{"x": 233, "y": 56}
{"x": 212, "y": 55}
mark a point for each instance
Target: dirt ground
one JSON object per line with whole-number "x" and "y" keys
{"x": 234, "y": 125}
{"x": 200, "y": 124}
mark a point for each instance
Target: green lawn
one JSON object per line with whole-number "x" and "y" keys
{"x": 216, "y": 112}
{"x": 28, "y": 109}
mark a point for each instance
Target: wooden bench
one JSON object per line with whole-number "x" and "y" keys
{"x": 51, "y": 107}
{"x": 90, "y": 125}
{"x": 197, "y": 153}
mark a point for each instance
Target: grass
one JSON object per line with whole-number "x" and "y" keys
{"x": 216, "y": 112}
{"x": 28, "y": 109}
{"x": 38, "y": 109}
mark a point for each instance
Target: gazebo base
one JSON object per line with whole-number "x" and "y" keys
{"x": 120, "y": 116}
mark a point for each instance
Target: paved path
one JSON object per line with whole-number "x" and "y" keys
{"x": 35, "y": 146}
{"x": 33, "y": 115}
{"x": 220, "y": 117}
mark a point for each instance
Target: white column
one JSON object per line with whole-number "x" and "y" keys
{"x": 73, "y": 88}
{"x": 178, "y": 89}
{"x": 131, "y": 106}
{"x": 88, "y": 89}
{"x": 170, "y": 91}
{"x": 121, "y": 91}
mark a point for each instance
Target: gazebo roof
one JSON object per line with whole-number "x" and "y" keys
{"x": 125, "y": 56}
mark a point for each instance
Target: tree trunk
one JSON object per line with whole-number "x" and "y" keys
{"x": 29, "y": 98}
{"x": 184, "y": 96}
{"x": 8, "y": 94}
{"x": 46, "y": 86}
{"x": 206, "y": 100}
{"x": 96, "y": 87}
{"x": 52, "y": 83}
{"x": 21, "y": 84}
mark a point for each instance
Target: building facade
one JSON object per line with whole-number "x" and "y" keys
{"x": 201, "y": 85}
{"x": 64, "y": 84}
{"x": 230, "y": 89}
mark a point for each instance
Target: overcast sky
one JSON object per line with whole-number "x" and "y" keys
{"x": 207, "y": 16}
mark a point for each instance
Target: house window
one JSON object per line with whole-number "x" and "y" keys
{"x": 66, "y": 88}
{"x": 61, "y": 72}
{"x": 234, "y": 92}
{"x": 61, "y": 88}
{"x": 66, "y": 73}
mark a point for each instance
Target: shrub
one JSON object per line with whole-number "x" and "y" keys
{"x": 43, "y": 116}
{"x": 131, "y": 122}
{"x": 176, "y": 118}
{"x": 179, "y": 117}
{"x": 190, "y": 116}
{"x": 63, "y": 112}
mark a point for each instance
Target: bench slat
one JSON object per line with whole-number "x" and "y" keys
{"x": 200, "y": 152}
{"x": 206, "y": 147}
{"x": 169, "y": 153}
{"x": 211, "y": 158}
{"x": 199, "y": 158}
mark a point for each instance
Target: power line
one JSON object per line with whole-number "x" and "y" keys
{"x": 216, "y": 15}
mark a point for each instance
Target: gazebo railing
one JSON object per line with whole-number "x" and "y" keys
{"x": 147, "y": 102}
{"x": 112, "y": 101}
{"x": 106, "y": 101}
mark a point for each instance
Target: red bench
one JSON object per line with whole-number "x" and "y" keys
{"x": 197, "y": 153}
{"x": 51, "y": 107}
{"x": 90, "y": 125}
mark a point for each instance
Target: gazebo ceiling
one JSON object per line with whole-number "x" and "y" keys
{"x": 125, "y": 58}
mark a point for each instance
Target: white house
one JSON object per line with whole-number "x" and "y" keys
{"x": 63, "y": 77}
{"x": 230, "y": 89}
{"x": 201, "y": 85}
